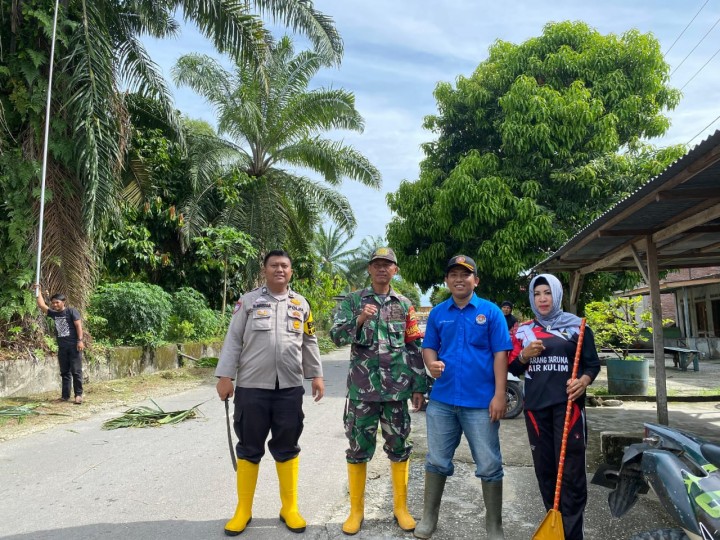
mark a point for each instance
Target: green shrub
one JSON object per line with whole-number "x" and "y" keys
{"x": 208, "y": 324}
{"x": 180, "y": 330}
{"x": 136, "y": 313}
{"x": 192, "y": 319}
{"x": 187, "y": 303}
{"x": 325, "y": 344}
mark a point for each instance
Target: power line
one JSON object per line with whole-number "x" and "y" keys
{"x": 696, "y": 46}
{"x": 703, "y": 129}
{"x": 699, "y": 70}
{"x": 688, "y": 26}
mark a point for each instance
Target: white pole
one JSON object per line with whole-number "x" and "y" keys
{"x": 45, "y": 147}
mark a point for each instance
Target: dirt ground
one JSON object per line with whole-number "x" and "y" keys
{"x": 98, "y": 397}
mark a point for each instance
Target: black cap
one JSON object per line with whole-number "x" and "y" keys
{"x": 383, "y": 253}
{"x": 507, "y": 303}
{"x": 461, "y": 260}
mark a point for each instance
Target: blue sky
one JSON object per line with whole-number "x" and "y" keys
{"x": 397, "y": 51}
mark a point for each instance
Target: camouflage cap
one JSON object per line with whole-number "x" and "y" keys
{"x": 461, "y": 260}
{"x": 383, "y": 253}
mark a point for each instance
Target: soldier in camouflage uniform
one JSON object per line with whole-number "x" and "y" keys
{"x": 386, "y": 369}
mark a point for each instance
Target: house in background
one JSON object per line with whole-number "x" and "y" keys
{"x": 691, "y": 298}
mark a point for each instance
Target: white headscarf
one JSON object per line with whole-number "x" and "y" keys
{"x": 556, "y": 322}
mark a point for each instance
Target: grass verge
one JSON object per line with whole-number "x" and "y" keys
{"x": 99, "y": 396}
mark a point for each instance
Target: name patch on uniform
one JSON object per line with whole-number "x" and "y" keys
{"x": 481, "y": 319}
{"x": 257, "y": 304}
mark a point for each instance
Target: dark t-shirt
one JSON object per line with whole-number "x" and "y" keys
{"x": 65, "y": 326}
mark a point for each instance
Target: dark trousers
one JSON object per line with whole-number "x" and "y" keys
{"x": 259, "y": 412}
{"x": 70, "y": 360}
{"x": 545, "y": 428}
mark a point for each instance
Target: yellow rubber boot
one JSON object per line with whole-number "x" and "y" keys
{"x": 247, "y": 474}
{"x": 357, "y": 473}
{"x": 287, "y": 472}
{"x": 400, "y": 470}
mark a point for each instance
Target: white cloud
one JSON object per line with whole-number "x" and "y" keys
{"x": 396, "y": 52}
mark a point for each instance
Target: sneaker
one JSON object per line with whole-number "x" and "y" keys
{"x": 78, "y": 400}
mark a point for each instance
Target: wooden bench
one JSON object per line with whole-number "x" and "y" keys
{"x": 683, "y": 357}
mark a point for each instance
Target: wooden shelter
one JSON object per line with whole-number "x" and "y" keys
{"x": 672, "y": 221}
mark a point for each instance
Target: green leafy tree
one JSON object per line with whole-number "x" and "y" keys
{"x": 225, "y": 248}
{"x": 439, "y": 294}
{"x": 276, "y": 125}
{"x": 619, "y": 324}
{"x": 410, "y": 290}
{"x": 539, "y": 141}
{"x": 320, "y": 291}
{"x": 98, "y": 52}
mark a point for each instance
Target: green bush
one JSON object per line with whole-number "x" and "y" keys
{"x": 326, "y": 345}
{"x": 187, "y": 303}
{"x": 180, "y": 330}
{"x": 136, "y": 313}
{"x": 208, "y": 324}
{"x": 192, "y": 318}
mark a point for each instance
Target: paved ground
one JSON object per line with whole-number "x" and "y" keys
{"x": 78, "y": 482}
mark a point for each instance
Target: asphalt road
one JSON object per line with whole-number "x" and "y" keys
{"x": 77, "y": 482}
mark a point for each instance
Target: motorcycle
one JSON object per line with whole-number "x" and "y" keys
{"x": 514, "y": 392}
{"x": 682, "y": 470}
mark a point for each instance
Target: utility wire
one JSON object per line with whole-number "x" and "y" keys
{"x": 688, "y": 26}
{"x": 699, "y": 70}
{"x": 703, "y": 129}
{"x": 695, "y": 47}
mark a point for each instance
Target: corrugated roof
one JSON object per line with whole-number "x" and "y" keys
{"x": 679, "y": 208}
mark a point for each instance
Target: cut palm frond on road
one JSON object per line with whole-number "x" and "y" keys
{"x": 21, "y": 412}
{"x": 143, "y": 416}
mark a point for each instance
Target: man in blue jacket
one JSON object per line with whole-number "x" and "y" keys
{"x": 465, "y": 350}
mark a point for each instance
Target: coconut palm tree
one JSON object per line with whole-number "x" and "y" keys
{"x": 99, "y": 53}
{"x": 331, "y": 248}
{"x": 276, "y": 127}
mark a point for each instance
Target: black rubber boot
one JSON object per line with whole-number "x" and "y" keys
{"x": 434, "y": 487}
{"x": 492, "y": 497}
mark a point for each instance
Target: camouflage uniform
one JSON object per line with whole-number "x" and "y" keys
{"x": 386, "y": 368}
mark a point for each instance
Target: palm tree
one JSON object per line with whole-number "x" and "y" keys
{"x": 99, "y": 52}
{"x": 331, "y": 248}
{"x": 274, "y": 127}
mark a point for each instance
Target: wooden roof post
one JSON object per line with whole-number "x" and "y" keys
{"x": 658, "y": 343}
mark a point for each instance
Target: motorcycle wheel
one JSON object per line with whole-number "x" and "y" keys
{"x": 514, "y": 399}
{"x": 662, "y": 534}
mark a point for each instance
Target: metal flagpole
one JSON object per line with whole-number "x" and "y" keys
{"x": 45, "y": 147}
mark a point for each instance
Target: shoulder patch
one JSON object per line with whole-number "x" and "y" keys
{"x": 309, "y": 326}
{"x": 238, "y": 306}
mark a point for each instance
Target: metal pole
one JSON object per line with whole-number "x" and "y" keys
{"x": 45, "y": 146}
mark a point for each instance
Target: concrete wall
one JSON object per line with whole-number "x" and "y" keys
{"x": 32, "y": 375}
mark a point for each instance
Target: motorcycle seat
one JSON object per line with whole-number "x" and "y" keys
{"x": 711, "y": 452}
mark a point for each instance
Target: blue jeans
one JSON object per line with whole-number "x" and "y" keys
{"x": 446, "y": 424}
